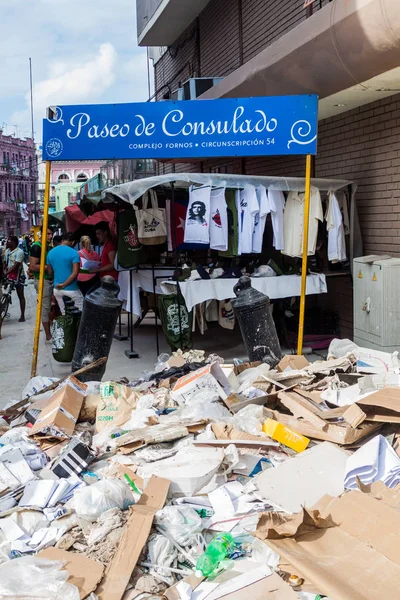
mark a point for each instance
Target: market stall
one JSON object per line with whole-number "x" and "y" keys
{"x": 284, "y": 125}
{"x": 173, "y": 194}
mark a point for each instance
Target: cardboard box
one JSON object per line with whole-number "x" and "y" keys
{"x": 62, "y": 412}
{"x": 347, "y": 547}
{"x": 292, "y": 362}
{"x": 137, "y": 530}
{"x": 210, "y": 377}
{"x": 229, "y": 372}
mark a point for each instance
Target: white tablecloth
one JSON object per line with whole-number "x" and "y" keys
{"x": 284, "y": 286}
{"x": 141, "y": 280}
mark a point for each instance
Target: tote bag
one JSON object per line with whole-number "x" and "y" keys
{"x": 152, "y": 222}
{"x": 130, "y": 250}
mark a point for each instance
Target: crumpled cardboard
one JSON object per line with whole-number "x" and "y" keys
{"x": 319, "y": 424}
{"x": 84, "y": 573}
{"x": 58, "y": 418}
{"x": 116, "y": 404}
{"x": 292, "y": 362}
{"x": 277, "y": 526}
{"x": 357, "y": 558}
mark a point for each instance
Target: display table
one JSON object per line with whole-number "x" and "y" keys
{"x": 284, "y": 286}
{"x": 141, "y": 280}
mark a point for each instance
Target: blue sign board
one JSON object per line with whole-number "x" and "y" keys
{"x": 261, "y": 126}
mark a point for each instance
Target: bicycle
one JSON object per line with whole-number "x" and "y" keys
{"x": 6, "y": 299}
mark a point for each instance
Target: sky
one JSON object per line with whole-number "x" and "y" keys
{"x": 83, "y": 51}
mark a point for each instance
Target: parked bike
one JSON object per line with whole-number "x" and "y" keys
{"x": 6, "y": 298}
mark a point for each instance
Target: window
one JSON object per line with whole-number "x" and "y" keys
{"x": 63, "y": 178}
{"x": 82, "y": 177}
{"x": 15, "y": 191}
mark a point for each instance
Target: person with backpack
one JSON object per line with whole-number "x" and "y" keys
{"x": 87, "y": 280}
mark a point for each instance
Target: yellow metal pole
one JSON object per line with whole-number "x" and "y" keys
{"x": 305, "y": 254}
{"x": 42, "y": 266}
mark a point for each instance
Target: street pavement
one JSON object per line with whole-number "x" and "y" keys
{"x": 16, "y": 349}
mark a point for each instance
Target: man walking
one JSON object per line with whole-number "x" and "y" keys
{"x": 63, "y": 264}
{"x": 14, "y": 270}
{"x": 34, "y": 266}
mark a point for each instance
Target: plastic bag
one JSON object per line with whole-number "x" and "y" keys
{"x": 161, "y": 552}
{"x": 250, "y": 419}
{"x": 90, "y": 502}
{"x": 181, "y": 523}
{"x": 36, "y": 384}
{"x": 15, "y": 436}
{"x": 139, "y": 419}
{"x": 35, "y": 578}
{"x": 341, "y": 348}
{"x": 201, "y": 409}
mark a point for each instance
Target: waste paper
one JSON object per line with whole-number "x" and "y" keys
{"x": 206, "y": 479}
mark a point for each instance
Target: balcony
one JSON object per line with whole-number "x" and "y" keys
{"x": 161, "y": 22}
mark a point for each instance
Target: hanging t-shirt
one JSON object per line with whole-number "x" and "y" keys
{"x": 335, "y": 227}
{"x": 276, "y": 200}
{"x": 197, "y": 226}
{"x": 218, "y": 221}
{"x": 247, "y": 207}
{"x": 293, "y": 220}
{"x": 260, "y": 218}
{"x": 232, "y": 215}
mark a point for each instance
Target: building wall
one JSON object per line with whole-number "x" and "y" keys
{"x": 18, "y": 183}
{"x": 226, "y": 34}
{"x": 362, "y": 145}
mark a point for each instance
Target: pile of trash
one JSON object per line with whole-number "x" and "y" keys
{"x": 205, "y": 480}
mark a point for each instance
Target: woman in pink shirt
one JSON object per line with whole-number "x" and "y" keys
{"x": 87, "y": 280}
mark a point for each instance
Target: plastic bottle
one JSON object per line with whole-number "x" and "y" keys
{"x": 215, "y": 552}
{"x": 279, "y": 432}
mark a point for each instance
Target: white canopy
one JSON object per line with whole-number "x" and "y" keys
{"x": 131, "y": 191}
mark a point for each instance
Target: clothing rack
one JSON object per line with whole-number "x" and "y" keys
{"x": 215, "y": 185}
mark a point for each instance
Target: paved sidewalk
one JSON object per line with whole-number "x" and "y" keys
{"x": 17, "y": 344}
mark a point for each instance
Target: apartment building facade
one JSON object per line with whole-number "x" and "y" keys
{"x": 18, "y": 184}
{"x": 346, "y": 51}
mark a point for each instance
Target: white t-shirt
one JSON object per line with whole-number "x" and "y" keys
{"x": 247, "y": 207}
{"x": 276, "y": 201}
{"x": 293, "y": 220}
{"x": 219, "y": 220}
{"x": 335, "y": 227}
{"x": 260, "y": 217}
{"x": 197, "y": 226}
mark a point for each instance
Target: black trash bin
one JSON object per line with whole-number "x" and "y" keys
{"x": 101, "y": 308}
{"x": 252, "y": 310}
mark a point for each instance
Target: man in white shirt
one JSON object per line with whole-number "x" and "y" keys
{"x": 14, "y": 270}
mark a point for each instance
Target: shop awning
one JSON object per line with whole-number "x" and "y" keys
{"x": 348, "y": 53}
{"x": 131, "y": 191}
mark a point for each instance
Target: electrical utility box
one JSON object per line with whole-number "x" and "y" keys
{"x": 377, "y": 302}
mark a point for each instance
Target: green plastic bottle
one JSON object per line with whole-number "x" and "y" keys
{"x": 215, "y": 552}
